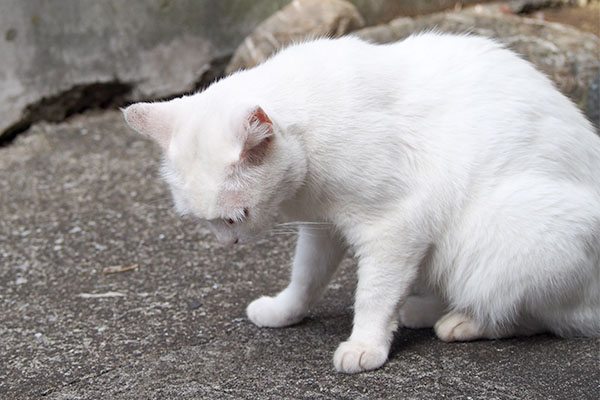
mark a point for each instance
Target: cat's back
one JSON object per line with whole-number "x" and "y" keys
{"x": 432, "y": 72}
{"x": 459, "y": 94}
{"x": 489, "y": 101}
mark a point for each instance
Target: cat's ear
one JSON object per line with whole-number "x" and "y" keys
{"x": 257, "y": 136}
{"x": 154, "y": 120}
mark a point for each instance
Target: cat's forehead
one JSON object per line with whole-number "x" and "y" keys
{"x": 200, "y": 160}
{"x": 204, "y": 137}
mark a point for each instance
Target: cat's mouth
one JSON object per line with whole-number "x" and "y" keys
{"x": 228, "y": 241}
{"x": 241, "y": 238}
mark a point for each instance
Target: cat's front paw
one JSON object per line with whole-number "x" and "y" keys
{"x": 271, "y": 312}
{"x": 352, "y": 357}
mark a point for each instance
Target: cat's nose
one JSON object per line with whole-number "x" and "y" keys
{"x": 228, "y": 240}
{"x": 232, "y": 240}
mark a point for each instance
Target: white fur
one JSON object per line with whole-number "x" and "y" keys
{"x": 452, "y": 168}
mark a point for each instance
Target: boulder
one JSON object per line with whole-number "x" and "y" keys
{"x": 567, "y": 55}
{"x": 382, "y": 11}
{"x": 297, "y": 21}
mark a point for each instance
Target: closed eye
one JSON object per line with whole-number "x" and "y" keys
{"x": 232, "y": 221}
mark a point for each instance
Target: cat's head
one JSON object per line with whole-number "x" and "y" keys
{"x": 226, "y": 162}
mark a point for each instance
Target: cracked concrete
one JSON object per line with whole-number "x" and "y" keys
{"x": 75, "y": 100}
{"x": 84, "y": 195}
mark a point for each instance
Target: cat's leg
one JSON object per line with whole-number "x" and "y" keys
{"x": 318, "y": 253}
{"x": 421, "y": 311}
{"x": 384, "y": 281}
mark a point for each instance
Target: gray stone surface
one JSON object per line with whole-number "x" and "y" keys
{"x": 84, "y": 195}
{"x": 568, "y": 56}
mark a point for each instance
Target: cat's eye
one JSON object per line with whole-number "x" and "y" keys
{"x": 232, "y": 221}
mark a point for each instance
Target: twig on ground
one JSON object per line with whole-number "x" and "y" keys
{"x": 117, "y": 269}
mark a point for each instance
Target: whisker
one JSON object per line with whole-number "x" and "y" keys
{"x": 282, "y": 233}
{"x": 314, "y": 228}
{"x": 306, "y": 223}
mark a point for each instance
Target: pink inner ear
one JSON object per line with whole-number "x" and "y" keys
{"x": 258, "y": 135}
{"x": 260, "y": 116}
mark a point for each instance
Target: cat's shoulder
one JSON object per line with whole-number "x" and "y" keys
{"x": 324, "y": 46}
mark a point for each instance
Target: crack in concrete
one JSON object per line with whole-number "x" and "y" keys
{"x": 75, "y": 100}
{"x": 77, "y": 380}
{"x": 98, "y": 95}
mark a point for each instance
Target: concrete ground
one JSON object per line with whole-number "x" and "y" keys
{"x": 82, "y": 196}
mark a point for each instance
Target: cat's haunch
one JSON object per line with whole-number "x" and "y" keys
{"x": 465, "y": 184}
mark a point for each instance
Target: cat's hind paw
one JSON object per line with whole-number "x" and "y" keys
{"x": 457, "y": 327}
{"x": 272, "y": 313}
{"x": 352, "y": 357}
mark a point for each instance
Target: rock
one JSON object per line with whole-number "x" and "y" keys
{"x": 527, "y": 6}
{"x": 585, "y": 18}
{"x": 59, "y": 58}
{"x": 297, "y": 21}
{"x": 567, "y": 55}
{"x": 382, "y": 11}
{"x": 313, "y": 18}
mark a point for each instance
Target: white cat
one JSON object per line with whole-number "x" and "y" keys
{"x": 465, "y": 184}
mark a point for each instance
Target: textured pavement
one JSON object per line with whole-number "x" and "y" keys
{"x": 82, "y": 196}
